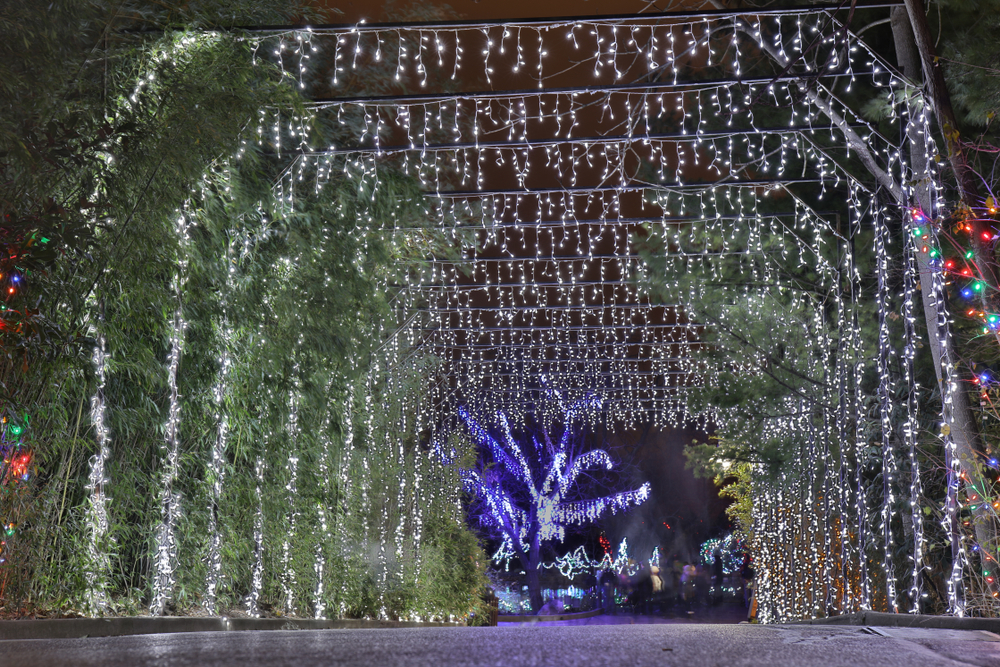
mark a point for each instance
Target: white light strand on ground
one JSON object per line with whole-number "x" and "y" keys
{"x": 257, "y": 576}
{"x": 217, "y": 463}
{"x": 343, "y": 508}
{"x": 949, "y": 385}
{"x": 96, "y": 517}
{"x": 886, "y": 390}
{"x": 911, "y": 427}
{"x": 165, "y": 555}
{"x": 288, "y": 578}
{"x": 325, "y": 536}
{"x": 919, "y": 123}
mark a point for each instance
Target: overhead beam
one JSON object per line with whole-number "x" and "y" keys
{"x": 558, "y": 20}
{"x": 592, "y": 140}
{"x": 702, "y": 84}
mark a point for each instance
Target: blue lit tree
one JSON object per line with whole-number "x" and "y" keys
{"x": 527, "y": 492}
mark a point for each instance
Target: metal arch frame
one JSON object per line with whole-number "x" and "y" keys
{"x": 352, "y": 28}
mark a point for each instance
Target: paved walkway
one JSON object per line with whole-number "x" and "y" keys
{"x": 591, "y": 646}
{"x": 722, "y": 614}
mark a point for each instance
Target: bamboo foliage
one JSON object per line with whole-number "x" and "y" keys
{"x": 300, "y": 488}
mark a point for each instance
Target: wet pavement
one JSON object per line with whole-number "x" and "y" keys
{"x": 527, "y": 645}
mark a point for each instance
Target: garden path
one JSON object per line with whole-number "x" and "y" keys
{"x": 611, "y": 645}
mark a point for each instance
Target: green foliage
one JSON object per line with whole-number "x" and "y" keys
{"x": 777, "y": 316}
{"x": 971, "y": 57}
{"x": 737, "y": 483}
{"x": 137, "y": 149}
{"x": 732, "y": 470}
{"x": 455, "y": 568}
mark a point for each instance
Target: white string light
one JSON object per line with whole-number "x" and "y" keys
{"x": 165, "y": 555}
{"x": 545, "y": 295}
{"x": 257, "y": 576}
{"x": 96, "y": 518}
{"x": 217, "y": 462}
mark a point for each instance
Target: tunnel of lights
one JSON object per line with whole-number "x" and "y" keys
{"x": 548, "y": 150}
{"x": 554, "y": 143}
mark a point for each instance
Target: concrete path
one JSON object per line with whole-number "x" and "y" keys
{"x": 730, "y": 615}
{"x": 586, "y": 646}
